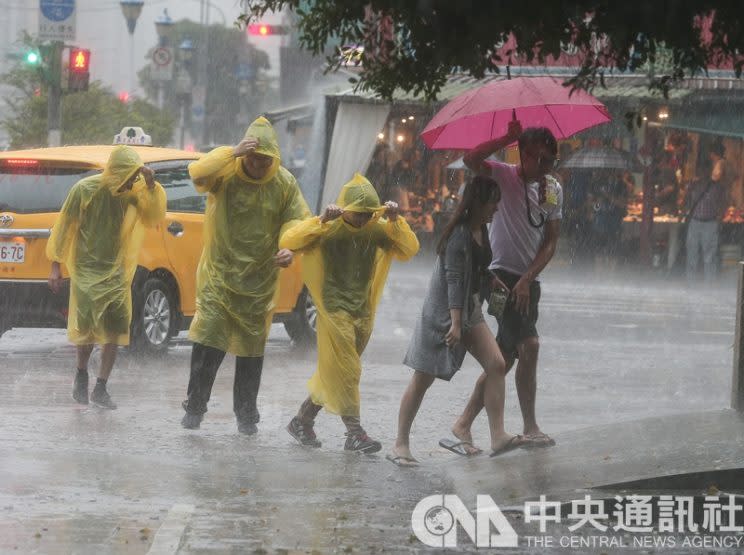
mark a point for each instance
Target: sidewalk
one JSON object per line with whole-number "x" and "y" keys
{"x": 609, "y": 455}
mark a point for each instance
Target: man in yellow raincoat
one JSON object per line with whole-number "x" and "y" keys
{"x": 252, "y": 200}
{"x": 97, "y": 237}
{"x": 346, "y": 257}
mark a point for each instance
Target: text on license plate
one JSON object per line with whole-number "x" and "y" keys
{"x": 12, "y": 252}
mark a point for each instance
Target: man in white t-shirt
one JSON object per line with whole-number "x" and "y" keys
{"x": 523, "y": 234}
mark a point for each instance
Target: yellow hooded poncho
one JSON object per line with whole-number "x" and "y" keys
{"x": 97, "y": 237}
{"x": 345, "y": 269}
{"x": 237, "y": 279}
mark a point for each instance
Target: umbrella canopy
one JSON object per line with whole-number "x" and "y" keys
{"x": 600, "y": 157}
{"x": 484, "y": 113}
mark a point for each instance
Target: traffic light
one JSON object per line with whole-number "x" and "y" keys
{"x": 32, "y": 58}
{"x": 265, "y": 30}
{"x": 123, "y": 97}
{"x": 78, "y": 69}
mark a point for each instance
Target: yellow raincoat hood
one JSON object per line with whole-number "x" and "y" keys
{"x": 268, "y": 145}
{"x": 358, "y": 195}
{"x": 121, "y": 165}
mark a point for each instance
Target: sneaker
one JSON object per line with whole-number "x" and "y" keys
{"x": 191, "y": 421}
{"x": 80, "y": 388}
{"x": 361, "y": 443}
{"x": 102, "y": 399}
{"x": 302, "y": 433}
{"x": 247, "y": 428}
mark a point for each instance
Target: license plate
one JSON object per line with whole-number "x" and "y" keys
{"x": 12, "y": 252}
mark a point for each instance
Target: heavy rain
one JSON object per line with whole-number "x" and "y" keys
{"x": 281, "y": 277}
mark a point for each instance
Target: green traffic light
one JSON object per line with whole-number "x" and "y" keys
{"x": 32, "y": 58}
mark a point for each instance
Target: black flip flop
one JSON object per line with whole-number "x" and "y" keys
{"x": 538, "y": 441}
{"x": 458, "y": 447}
{"x": 401, "y": 461}
{"x": 514, "y": 443}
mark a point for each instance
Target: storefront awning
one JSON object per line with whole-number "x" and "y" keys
{"x": 618, "y": 88}
{"x": 713, "y": 122}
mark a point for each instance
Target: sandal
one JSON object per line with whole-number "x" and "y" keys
{"x": 460, "y": 447}
{"x": 400, "y": 460}
{"x": 515, "y": 442}
{"x": 538, "y": 441}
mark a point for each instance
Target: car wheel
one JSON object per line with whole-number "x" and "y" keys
{"x": 301, "y": 327}
{"x": 154, "y": 321}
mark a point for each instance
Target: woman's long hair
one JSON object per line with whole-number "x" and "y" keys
{"x": 478, "y": 191}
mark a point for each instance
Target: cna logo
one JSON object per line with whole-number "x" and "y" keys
{"x": 435, "y": 519}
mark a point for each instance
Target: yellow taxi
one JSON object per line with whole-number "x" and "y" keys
{"x": 34, "y": 184}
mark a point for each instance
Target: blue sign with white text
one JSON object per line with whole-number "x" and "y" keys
{"x": 57, "y": 10}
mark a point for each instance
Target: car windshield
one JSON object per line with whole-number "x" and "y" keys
{"x": 38, "y": 189}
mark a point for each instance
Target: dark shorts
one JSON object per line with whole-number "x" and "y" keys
{"x": 515, "y": 327}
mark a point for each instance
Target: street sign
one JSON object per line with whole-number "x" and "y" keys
{"x": 161, "y": 66}
{"x": 57, "y": 20}
{"x": 198, "y": 100}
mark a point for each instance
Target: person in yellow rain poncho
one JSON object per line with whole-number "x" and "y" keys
{"x": 252, "y": 200}
{"x": 346, "y": 257}
{"x": 97, "y": 237}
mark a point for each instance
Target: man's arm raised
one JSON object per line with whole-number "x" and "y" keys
{"x": 475, "y": 159}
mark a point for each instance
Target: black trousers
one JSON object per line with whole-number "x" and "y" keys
{"x": 205, "y": 361}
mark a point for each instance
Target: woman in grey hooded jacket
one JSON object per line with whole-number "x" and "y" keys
{"x": 452, "y": 324}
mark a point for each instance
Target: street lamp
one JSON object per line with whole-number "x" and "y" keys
{"x": 187, "y": 50}
{"x": 164, "y": 27}
{"x": 131, "y": 10}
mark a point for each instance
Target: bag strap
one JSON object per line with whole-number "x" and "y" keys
{"x": 687, "y": 216}
{"x": 525, "y": 186}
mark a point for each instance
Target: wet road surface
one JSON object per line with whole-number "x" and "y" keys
{"x": 82, "y": 480}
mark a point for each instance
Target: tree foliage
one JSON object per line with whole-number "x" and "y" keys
{"x": 416, "y": 45}
{"x": 90, "y": 117}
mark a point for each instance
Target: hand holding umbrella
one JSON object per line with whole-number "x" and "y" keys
{"x": 514, "y": 129}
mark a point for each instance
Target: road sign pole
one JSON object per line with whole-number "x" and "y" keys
{"x": 54, "y": 116}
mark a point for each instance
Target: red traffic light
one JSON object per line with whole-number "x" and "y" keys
{"x": 264, "y": 29}
{"x": 124, "y": 97}
{"x": 79, "y": 60}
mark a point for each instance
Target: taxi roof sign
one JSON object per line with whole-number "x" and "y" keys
{"x": 133, "y": 136}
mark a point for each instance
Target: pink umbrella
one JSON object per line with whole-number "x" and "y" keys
{"x": 484, "y": 113}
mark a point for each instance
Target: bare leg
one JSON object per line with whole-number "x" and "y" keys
{"x": 83, "y": 356}
{"x": 461, "y": 429}
{"x": 409, "y": 406}
{"x": 482, "y": 345}
{"x": 526, "y": 380}
{"x": 108, "y": 357}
